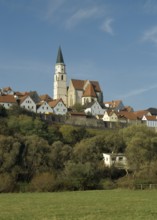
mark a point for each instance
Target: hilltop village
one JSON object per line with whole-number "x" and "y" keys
{"x": 80, "y": 103}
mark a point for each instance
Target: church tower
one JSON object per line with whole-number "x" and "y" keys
{"x": 60, "y": 79}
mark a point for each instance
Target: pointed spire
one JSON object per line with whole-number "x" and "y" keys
{"x": 60, "y": 56}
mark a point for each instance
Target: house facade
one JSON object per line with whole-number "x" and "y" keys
{"x": 44, "y": 108}
{"x": 110, "y": 116}
{"x": 94, "y": 108}
{"x": 58, "y": 107}
{"x": 150, "y": 121}
{"x": 118, "y": 160}
{"x": 28, "y": 103}
{"x": 7, "y": 101}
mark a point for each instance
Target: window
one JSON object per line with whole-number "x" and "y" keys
{"x": 120, "y": 158}
{"x": 61, "y": 77}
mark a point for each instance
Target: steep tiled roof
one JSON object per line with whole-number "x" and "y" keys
{"x": 96, "y": 86}
{"x": 128, "y": 109}
{"x": 7, "y": 99}
{"x": 111, "y": 112}
{"x": 127, "y": 115}
{"x": 21, "y": 94}
{"x": 22, "y": 99}
{"x": 79, "y": 84}
{"x": 46, "y": 98}
{"x": 89, "y": 91}
{"x": 151, "y": 118}
{"x": 54, "y": 102}
{"x": 141, "y": 113}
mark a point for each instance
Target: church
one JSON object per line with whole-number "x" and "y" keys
{"x": 78, "y": 91}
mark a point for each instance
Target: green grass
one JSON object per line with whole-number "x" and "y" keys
{"x": 92, "y": 205}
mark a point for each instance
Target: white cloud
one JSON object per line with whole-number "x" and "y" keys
{"x": 106, "y": 26}
{"x": 52, "y": 6}
{"x": 150, "y": 6}
{"x": 83, "y": 14}
{"x": 151, "y": 35}
{"x": 139, "y": 91}
{"x": 45, "y": 10}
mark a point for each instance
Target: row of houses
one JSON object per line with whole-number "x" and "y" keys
{"x": 110, "y": 113}
{"x": 31, "y": 101}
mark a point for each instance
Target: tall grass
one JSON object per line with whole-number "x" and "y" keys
{"x": 88, "y": 205}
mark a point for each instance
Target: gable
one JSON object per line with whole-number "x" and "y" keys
{"x": 78, "y": 84}
{"x": 89, "y": 91}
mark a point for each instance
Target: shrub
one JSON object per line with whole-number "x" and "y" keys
{"x": 108, "y": 184}
{"x": 44, "y": 182}
{"x": 7, "y": 183}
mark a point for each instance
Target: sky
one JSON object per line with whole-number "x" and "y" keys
{"x": 111, "y": 41}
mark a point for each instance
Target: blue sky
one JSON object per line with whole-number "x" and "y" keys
{"x": 112, "y": 41}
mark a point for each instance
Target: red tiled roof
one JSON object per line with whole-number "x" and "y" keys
{"x": 151, "y": 118}
{"x": 141, "y": 113}
{"x": 127, "y": 115}
{"x": 79, "y": 84}
{"x": 89, "y": 91}
{"x": 21, "y": 94}
{"x": 46, "y": 98}
{"x": 54, "y": 102}
{"x": 96, "y": 86}
{"x": 7, "y": 99}
{"x": 22, "y": 99}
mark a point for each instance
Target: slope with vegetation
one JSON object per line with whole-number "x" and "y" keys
{"x": 37, "y": 156}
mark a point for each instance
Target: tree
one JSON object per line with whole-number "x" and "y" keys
{"x": 80, "y": 176}
{"x": 3, "y": 111}
{"x": 136, "y": 153}
{"x": 34, "y": 157}
{"x": 59, "y": 155}
{"x": 9, "y": 151}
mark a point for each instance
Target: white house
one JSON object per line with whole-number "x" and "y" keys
{"x": 44, "y": 108}
{"x": 58, "y": 107}
{"x": 7, "y": 101}
{"x": 27, "y": 103}
{"x": 110, "y": 116}
{"x": 94, "y": 108}
{"x": 6, "y": 91}
{"x": 118, "y": 160}
{"x": 150, "y": 121}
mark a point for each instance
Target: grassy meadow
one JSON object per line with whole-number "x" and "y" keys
{"x": 91, "y": 205}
